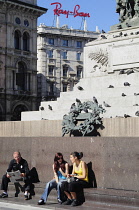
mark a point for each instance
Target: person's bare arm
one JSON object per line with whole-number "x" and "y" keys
{"x": 66, "y": 170}
{"x": 55, "y": 174}
{"x": 73, "y": 171}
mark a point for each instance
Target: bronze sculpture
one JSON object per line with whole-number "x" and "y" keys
{"x": 87, "y": 112}
{"x": 125, "y": 8}
{"x": 128, "y": 13}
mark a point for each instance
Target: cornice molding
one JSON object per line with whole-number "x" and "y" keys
{"x": 23, "y": 7}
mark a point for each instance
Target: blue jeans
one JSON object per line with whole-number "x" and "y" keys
{"x": 51, "y": 185}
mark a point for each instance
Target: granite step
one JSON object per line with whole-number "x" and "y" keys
{"x": 92, "y": 195}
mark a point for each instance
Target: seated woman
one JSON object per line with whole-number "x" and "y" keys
{"x": 60, "y": 169}
{"x": 73, "y": 188}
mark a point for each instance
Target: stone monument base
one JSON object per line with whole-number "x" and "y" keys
{"x": 134, "y": 22}
{"x": 109, "y": 62}
{"x": 113, "y": 127}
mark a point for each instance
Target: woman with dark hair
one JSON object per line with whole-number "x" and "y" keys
{"x": 60, "y": 169}
{"x": 73, "y": 188}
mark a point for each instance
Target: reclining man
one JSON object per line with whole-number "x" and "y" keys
{"x": 18, "y": 163}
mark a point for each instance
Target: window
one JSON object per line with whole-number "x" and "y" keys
{"x": 65, "y": 55}
{"x": 21, "y": 77}
{"x": 64, "y": 87}
{"x": 17, "y": 39}
{"x": 26, "y": 23}
{"x": 65, "y": 71}
{"x": 79, "y": 44}
{"x": 26, "y": 41}
{"x": 50, "y": 54}
{"x": 79, "y": 72}
{"x": 65, "y": 42}
{"x": 78, "y": 56}
{"x": 17, "y": 20}
{"x": 51, "y": 41}
{"x": 13, "y": 76}
{"x": 51, "y": 88}
{"x": 51, "y": 71}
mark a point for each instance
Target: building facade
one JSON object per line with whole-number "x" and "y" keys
{"x": 60, "y": 59}
{"x": 18, "y": 57}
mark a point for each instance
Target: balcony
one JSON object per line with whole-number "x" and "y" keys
{"x": 50, "y": 78}
{"x": 64, "y": 79}
{"x": 22, "y": 92}
{"x": 28, "y": 53}
{"x": 51, "y": 94}
{"x": 52, "y": 61}
{"x": 17, "y": 51}
{"x": 79, "y": 61}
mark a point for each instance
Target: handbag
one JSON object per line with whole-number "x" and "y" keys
{"x": 72, "y": 179}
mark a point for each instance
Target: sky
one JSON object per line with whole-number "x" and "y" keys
{"x": 102, "y": 13}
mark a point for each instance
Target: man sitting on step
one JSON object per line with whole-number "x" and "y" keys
{"x": 18, "y": 163}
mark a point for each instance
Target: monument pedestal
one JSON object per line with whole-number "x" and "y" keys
{"x": 130, "y": 22}
{"x": 117, "y": 50}
{"x": 111, "y": 60}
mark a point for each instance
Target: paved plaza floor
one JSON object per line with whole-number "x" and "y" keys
{"x": 19, "y": 203}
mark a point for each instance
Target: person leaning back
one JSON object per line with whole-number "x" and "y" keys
{"x": 18, "y": 163}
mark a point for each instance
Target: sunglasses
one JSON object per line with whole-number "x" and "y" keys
{"x": 60, "y": 158}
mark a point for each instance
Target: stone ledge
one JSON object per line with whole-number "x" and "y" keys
{"x": 111, "y": 196}
{"x": 114, "y": 127}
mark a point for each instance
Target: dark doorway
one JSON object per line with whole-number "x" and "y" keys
{"x": 17, "y": 112}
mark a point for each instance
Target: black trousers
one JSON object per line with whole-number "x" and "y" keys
{"x": 5, "y": 181}
{"x": 75, "y": 186}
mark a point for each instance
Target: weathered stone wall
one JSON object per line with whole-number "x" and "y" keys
{"x": 114, "y": 160}
{"x": 30, "y": 128}
{"x": 113, "y": 127}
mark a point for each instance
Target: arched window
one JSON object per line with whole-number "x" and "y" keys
{"x": 17, "y": 40}
{"x": 26, "y": 41}
{"x": 23, "y": 77}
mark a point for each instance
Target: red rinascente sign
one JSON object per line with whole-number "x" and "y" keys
{"x": 58, "y": 11}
